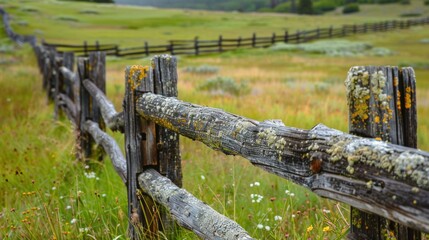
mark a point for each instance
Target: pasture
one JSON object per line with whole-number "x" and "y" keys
{"x": 47, "y": 194}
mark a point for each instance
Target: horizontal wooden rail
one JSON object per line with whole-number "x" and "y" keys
{"x": 389, "y": 180}
{"x": 68, "y": 105}
{"x": 110, "y": 147}
{"x": 190, "y": 212}
{"x": 112, "y": 118}
{"x": 69, "y": 76}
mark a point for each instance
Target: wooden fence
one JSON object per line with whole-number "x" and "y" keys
{"x": 390, "y": 181}
{"x": 197, "y": 46}
{"x": 19, "y": 39}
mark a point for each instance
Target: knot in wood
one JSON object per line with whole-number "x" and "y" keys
{"x": 316, "y": 163}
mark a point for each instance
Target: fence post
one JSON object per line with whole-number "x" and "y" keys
{"x": 135, "y": 76}
{"x": 286, "y": 39}
{"x": 68, "y": 62}
{"x": 51, "y": 74}
{"x": 148, "y": 145}
{"x": 58, "y": 85}
{"x": 220, "y": 43}
{"x": 384, "y": 110}
{"x": 97, "y": 46}
{"x": 197, "y": 50}
{"x": 330, "y": 31}
{"x": 254, "y": 40}
{"x": 298, "y": 40}
{"x": 94, "y": 70}
{"x": 116, "y": 50}
{"x": 171, "y": 47}
{"x": 146, "y": 48}
{"x": 344, "y": 30}
{"x": 239, "y": 42}
{"x": 85, "y": 48}
{"x": 273, "y": 38}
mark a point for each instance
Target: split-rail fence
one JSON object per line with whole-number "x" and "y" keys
{"x": 198, "y": 46}
{"x": 386, "y": 184}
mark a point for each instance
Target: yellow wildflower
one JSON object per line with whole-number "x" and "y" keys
{"x": 326, "y": 229}
{"x": 310, "y": 228}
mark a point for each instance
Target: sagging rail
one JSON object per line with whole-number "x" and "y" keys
{"x": 388, "y": 180}
{"x": 222, "y": 44}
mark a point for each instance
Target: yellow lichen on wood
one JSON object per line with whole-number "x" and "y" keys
{"x": 358, "y": 93}
{"x": 136, "y": 73}
{"x": 408, "y": 100}
{"x": 398, "y": 100}
{"x": 377, "y": 119}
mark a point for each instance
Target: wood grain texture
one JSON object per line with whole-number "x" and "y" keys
{"x": 133, "y": 148}
{"x": 381, "y": 100}
{"x": 165, "y": 81}
{"x": 188, "y": 211}
{"x": 366, "y": 173}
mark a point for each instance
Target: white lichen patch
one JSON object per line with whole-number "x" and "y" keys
{"x": 270, "y": 137}
{"x": 380, "y": 155}
{"x": 369, "y": 184}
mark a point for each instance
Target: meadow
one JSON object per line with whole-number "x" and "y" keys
{"x": 47, "y": 194}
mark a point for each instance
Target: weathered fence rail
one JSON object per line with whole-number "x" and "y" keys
{"x": 385, "y": 179}
{"x": 197, "y": 46}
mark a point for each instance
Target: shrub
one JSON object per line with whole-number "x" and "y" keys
{"x": 405, "y": 2}
{"x": 427, "y": 2}
{"x": 388, "y": 1}
{"x": 67, "y": 19}
{"x": 351, "y": 8}
{"x": 203, "y": 69}
{"x": 415, "y": 13}
{"x": 224, "y": 85}
{"x": 324, "y": 6}
{"x": 89, "y": 11}
{"x": 282, "y": 7}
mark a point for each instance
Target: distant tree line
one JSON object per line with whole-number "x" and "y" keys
{"x": 281, "y": 6}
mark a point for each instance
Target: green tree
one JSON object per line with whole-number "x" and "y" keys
{"x": 305, "y": 7}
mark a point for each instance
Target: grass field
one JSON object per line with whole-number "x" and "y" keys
{"x": 48, "y": 195}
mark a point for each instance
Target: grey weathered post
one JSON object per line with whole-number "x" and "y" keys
{"x": 286, "y": 37}
{"x": 254, "y": 40}
{"x": 382, "y": 105}
{"x": 83, "y": 111}
{"x": 165, "y": 81}
{"x": 92, "y": 69}
{"x": 273, "y": 38}
{"x": 58, "y": 85}
{"x": 148, "y": 145}
{"x": 68, "y": 62}
{"x": 134, "y": 137}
